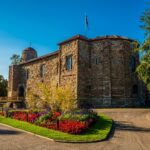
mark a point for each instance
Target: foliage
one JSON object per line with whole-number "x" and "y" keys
{"x": 79, "y": 115}
{"x": 3, "y": 86}
{"x": 136, "y": 46}
{"x": 77, "y": 121}
{"x": 144, "y": 70}
{"x": 43, "y": 118}
{"x": 57, "y": 98}
{"x": 33, "y": 101}
{"x": 98, "y": 131}
{"x": 74, "y": 122}
{"x": 145, "y": 19}
{"x": 146, "y": 45}
{"x": 65, "y": 98}
{"x": 15, "y": 59}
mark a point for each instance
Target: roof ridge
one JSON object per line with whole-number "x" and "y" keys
{"x": 41, "y": 57}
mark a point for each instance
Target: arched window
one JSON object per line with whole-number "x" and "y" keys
{"x": 135, "y": 89}
{"x": 42, "y": 71}
{"x": 69, "y": 62}
{"x": 21, "y": 91}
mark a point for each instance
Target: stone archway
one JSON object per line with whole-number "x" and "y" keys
{"x": 21, "y": 91}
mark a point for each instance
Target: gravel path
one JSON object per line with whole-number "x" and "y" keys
{"x": 132, "y": 132}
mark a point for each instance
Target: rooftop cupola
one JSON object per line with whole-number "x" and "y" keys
{"x": 28, "y": 54}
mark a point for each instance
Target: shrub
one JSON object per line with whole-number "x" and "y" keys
{"x": 34, "y": 101}
{"x": 49, "y": 121}
{"x": 79, "y": 115}
{"x": 43, "y": 118}
{"x": 57, "y": 98}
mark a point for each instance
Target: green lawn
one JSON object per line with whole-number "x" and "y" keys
{"x": 99, "y": 131}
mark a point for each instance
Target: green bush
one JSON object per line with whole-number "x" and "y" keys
{"x": 43, "y": 118}
{"x": 79, "y": 115}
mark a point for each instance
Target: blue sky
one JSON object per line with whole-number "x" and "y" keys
{"x": 48, "y": 22}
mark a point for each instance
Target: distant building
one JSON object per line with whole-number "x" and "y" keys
{"x": 101, "y": 70}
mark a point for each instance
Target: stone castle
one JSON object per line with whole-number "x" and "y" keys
{"x": 101, "y": 71}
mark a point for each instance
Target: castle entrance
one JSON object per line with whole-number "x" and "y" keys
{"x": 21, "y": 91}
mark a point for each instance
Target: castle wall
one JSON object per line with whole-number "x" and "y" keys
{"x": 14, "y": 79}
{"x": 105, "y": 77}
{"x": 69, "y": 76}
{"x": 101, "y": 73}
{"x": 84, "y": 70}
{"x": 34, "y": 75}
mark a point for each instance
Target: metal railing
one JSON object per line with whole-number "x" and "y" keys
{"x": 11, "y": 99}
{"x": 3, "y": 98}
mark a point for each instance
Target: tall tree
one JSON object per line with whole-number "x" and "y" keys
{"x": 15, "y": 59}
{"x": 3, "y": 86}
{"x": 143, "y": 69}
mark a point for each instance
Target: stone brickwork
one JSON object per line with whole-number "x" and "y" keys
{"x": 14, "y": 77}
{"x": 69, "y": 76}
{"x": 102, "y": 73}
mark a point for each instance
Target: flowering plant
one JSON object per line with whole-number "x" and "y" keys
{"x": 74, "y": 122}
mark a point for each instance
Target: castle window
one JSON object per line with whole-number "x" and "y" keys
{"x": 27, "y": 74}
{"x": 42, "y": 71}
{"x": 133, "y": 64}
{"x": 135, "y": 89}
{"x": 69, "y": 62}
{"x": 97, "y": 60}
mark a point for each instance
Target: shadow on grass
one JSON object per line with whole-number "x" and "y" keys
{"x": 127, "y": 126}
{"x": 8, "y": 132}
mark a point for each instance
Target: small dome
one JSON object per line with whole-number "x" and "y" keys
{"x": 29, "y": 49}
{"x": 28, "y": 54}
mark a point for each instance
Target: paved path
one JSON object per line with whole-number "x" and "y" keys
{"x": 132, "y": 132}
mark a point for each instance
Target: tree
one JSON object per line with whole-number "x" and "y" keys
{"x": 3, "y": 86}
{"x": 15, "y": 59}
{"x": 49, "y": 95}
{"x": 143, "y": 69}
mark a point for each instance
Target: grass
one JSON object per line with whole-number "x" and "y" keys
{"x": 99, "y": 130}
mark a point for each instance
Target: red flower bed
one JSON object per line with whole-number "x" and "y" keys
{"x": 24, "y": 116}
{"x": 52, "y": 121}
{"x": 32, "y": 117}
{"x": 73, "y": 127}
{"x": 19, "y": 116}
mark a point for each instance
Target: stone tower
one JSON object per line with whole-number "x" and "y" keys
{"x": 15, "y": 87}
{"x": 28, "y": 54}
